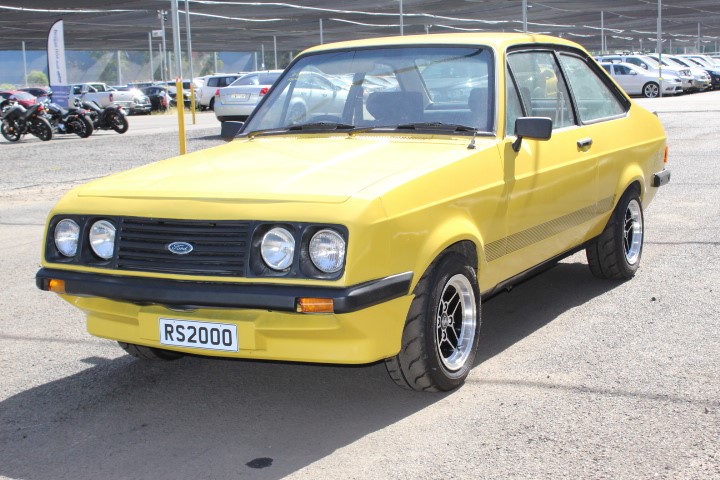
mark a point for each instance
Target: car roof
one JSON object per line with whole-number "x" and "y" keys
{"x": 498, "y": 41}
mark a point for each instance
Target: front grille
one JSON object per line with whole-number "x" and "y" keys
{"x": 219, "y": 247}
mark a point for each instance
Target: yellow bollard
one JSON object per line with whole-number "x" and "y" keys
{"x": 180, "y": 101}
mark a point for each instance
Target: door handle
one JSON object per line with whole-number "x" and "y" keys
{"x": 584, "y": 143}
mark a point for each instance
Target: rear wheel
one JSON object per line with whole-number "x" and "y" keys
{"x": 212, "y": 104}
{"x": 87, "y": 128}
{"x": 616, "y": 253}
{"x": 149, "y": 353}
{"x": 651, "y": 90}
{"x": 442, "y": 329}
{"x": 11, "y": 131}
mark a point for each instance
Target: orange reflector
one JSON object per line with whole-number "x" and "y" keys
{"x": 667, "y": 154}
{"x": 315, "y": 305}
{"x": 57, "y": 286}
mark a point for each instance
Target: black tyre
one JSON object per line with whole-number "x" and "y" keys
{"x": 616, "y": 253}
{"x": 11, "y": 131}
{"x": 118, "y": 122}
{"x": 651, "y": 90}
{"x": 442, "y": 329}
{"x": 212, "y": 104}
{"x": 42, "y": 129}
{"x": 87, "y": 127}
{"x": 149, "y": 353}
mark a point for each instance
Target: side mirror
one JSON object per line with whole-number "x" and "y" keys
{"x": 538, "y": 128}
{"x": 229, "y": 130}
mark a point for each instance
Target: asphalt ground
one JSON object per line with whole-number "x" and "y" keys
{"x": 576, "y": 378}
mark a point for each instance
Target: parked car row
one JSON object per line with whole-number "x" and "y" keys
{"x": 648, "y": 75}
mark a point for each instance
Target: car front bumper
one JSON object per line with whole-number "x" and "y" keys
{"x": 366, "y": 324}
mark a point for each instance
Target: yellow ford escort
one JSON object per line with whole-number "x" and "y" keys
{"x": 378, "y": 193}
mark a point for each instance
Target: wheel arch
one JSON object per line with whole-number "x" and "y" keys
{"x": 453, "y": 236}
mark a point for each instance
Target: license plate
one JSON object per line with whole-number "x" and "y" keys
{"x": 239, "y": 96}
{"x": 204, "y": 335}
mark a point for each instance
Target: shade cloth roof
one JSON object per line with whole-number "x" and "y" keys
{"x": 294, "y": 25}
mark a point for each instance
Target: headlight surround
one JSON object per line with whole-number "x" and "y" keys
{"x": 102, "y": 239}
{"x": 278, "y": 248}
{"x": 67, "y": 234}
{"x": 327, "y": 251}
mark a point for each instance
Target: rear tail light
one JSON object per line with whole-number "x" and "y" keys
{"x": 217, "y": 92}
{"x": 667, "y": 154}
{"x": 264, "y": 91}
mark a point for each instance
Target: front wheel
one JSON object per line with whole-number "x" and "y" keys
{"x": 86, "y": 128}
{"x": 42, "y": 129}
{"x": 11, "y": 131}
{"x": 616, "y": 253}
{"x": 651, "y": 90}
{"x": 118, "y": 122}
{"x": 442, "y": 329}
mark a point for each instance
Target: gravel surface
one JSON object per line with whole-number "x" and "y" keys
{"x": 576, "y": 378}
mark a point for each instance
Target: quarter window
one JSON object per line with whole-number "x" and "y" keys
{"x": 593, "y": 97}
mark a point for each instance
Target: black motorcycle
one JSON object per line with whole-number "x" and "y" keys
{"x": 108, "y": 118}
{"x": 74, "y": 120}
{"x": 18, "y": 121}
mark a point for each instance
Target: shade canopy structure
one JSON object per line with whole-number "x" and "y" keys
{"x": 294, "y": 25}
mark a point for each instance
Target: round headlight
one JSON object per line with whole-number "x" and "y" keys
{"x": 278, "y": 248}
{"x": 102, "y": 239}
{"x": 327, "y": 251}
{"x": 67, "y": 233}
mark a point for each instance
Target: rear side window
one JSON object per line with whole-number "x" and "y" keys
{"x": 593, "y": 97}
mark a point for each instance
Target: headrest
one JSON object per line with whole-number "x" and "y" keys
{"x": 395, "y": 107}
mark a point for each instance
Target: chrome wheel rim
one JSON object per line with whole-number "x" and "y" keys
{"x": 633, "y": 232}
{"x": 455, "y": 322}
{"x": 651, "y": 91}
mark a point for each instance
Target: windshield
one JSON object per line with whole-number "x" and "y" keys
{"x": 410, "y": 87}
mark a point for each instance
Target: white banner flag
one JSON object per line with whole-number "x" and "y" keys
{"x": 56, "y": 55}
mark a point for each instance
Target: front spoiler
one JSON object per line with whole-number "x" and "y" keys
{"x": 198, "y": 294}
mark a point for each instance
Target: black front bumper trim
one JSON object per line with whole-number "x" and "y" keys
{"x": 660, "y": 179}
{"x": 194, "y": 294}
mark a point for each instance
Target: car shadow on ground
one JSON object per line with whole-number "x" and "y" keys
{"x": 205, "y": 418}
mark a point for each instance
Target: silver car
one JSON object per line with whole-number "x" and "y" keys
{"x": 637, "y": 81}
{"x": 237, "y": 101}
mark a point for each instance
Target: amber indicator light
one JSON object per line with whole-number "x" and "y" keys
{"x": 57, "y": 286}
{"x": 315, "y": 305}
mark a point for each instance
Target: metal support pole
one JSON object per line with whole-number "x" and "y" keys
{"x": 402, "y": 22}
{"x": 25, "y": 64}
{"x": 189, "y": 39}
{"x": 602, "y": 32}
{"x": 698, "y": 40}
{"x": 262, "y": 56}
{"x": 152, "y": 66}
{"x": 190, "y": 60}
{"x": 275, "y": 49}
{"x": 165, "y": 67}
{"x": 659, "y": 44}
{"x": 119, "y": 70}
{"x": 524, "y": 15}
{"x": 215, "y": 69}
{"x": 179, "y": 97}
{"x": 321, "y": 33}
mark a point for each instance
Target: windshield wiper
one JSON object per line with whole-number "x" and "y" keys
{"x": 322, "y": 126}
{"x": 450, "y": 127}
{"x": 268, "y": 131}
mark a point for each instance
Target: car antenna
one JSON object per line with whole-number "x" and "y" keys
{"x": 471, "y": 146}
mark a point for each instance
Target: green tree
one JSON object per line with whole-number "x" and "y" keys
{"x": 36, "y": 78}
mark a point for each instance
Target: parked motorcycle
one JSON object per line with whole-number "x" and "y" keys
{"x": 108, "y": 118}
{"x": 74, "y": 120}
{"x": 17, "y": 121}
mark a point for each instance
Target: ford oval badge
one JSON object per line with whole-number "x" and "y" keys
{"x": 180, "y": 248}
